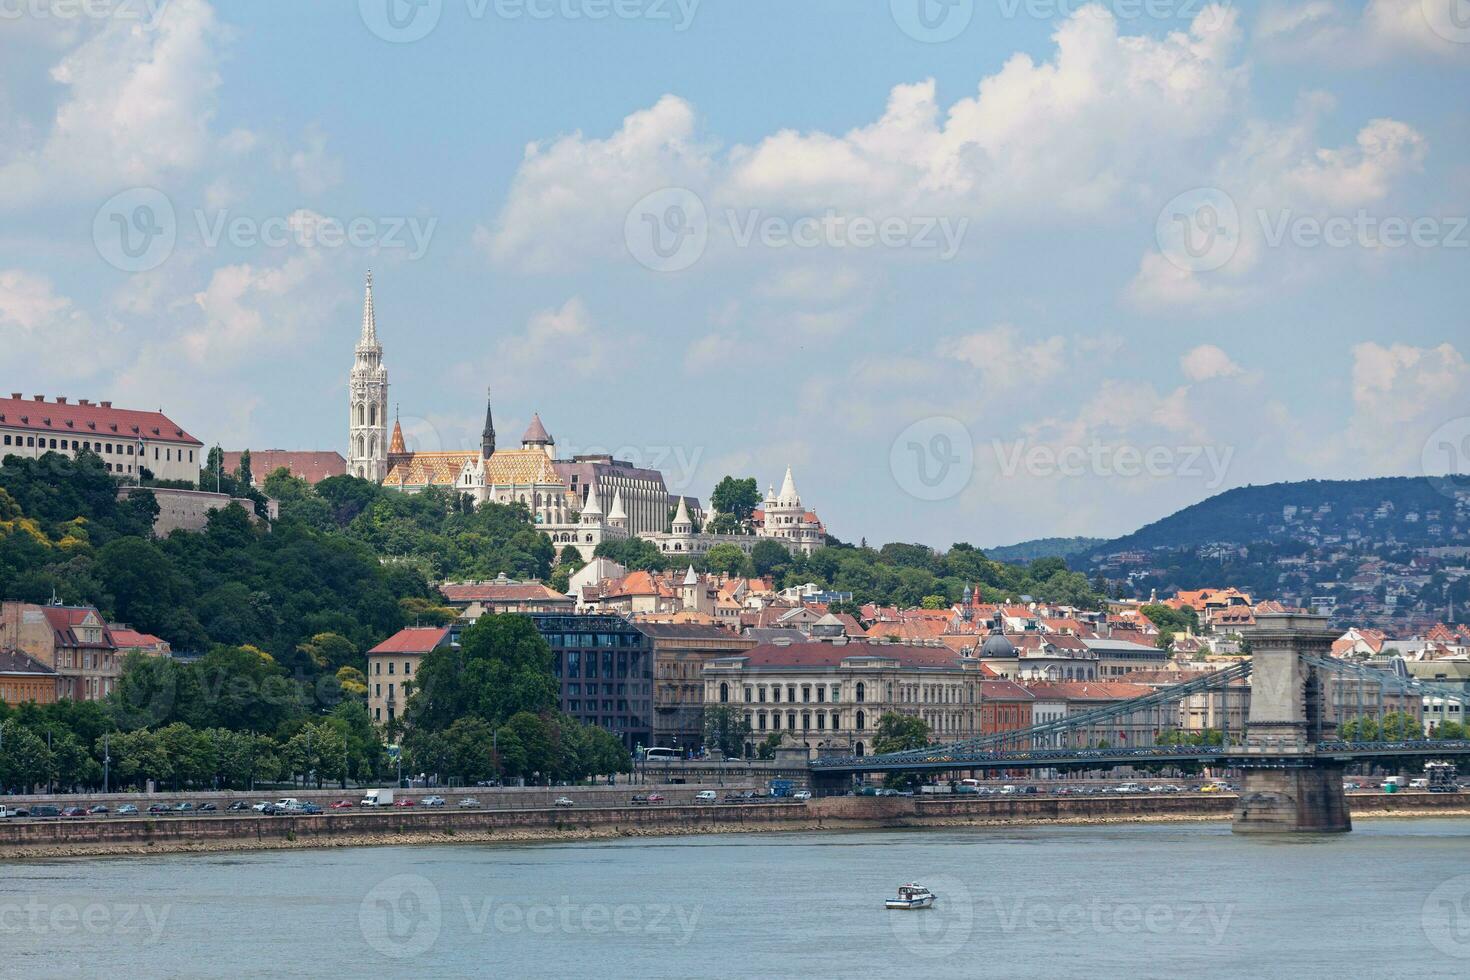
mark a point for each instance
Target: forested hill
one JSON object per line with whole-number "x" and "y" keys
{"x": 1405, "y": 509}
{"x": 1043, "y": 548}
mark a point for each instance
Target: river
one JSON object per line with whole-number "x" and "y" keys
{"x": 1185, "y": 900}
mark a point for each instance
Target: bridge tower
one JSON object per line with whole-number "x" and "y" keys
{"x": 1288, "y": 787}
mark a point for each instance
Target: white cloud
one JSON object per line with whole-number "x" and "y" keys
{"x": 555, "y": 343}
{"x": 315, "y": 168}
{"x": 1076, "y": 134}
{"x": 1379, "y": 30}
{"x": 711, "y": 352}
{"x": 42, "y": 333}
{"x": 138, "y": 105}
{"x": 1275, "y": 180}
{"x": 1401, "y": 393}
{"x": 570, "y": 195}
{"x": 252, "y": 311}
{"x": 1007, "y": 359}
{"x": 1207, "y": 362}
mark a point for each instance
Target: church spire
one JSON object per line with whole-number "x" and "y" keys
{"x": 396, "y": 445}
{"x": 369, "y": 336}
{"x": 487, "y": 435}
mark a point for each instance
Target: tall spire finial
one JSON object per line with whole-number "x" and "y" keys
{"x": 487, "y": 435}
{"x": 369, "y": 321}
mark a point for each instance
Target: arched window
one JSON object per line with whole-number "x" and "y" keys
{"x": 858, "y": 748}
{"x": 360, "y": 445}
{"x": 861, "y": 721}
{"x": 861, "y": 691}
{"x": 724, "y": 692}
{"x": 373, "y": 414}
{"x": 359, "y": 413}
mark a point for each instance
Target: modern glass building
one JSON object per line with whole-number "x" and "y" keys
{"x": 604, "y": 665}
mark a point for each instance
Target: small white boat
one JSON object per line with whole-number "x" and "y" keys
{"x": 912, "y": 896}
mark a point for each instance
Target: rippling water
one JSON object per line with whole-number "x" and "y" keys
{"x": 1390, "y": 899}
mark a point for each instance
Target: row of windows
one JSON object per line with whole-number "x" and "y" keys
{"x": 761, "y": 718}
{"x": 74, "y": 445}
{"x": 407, "y": 668}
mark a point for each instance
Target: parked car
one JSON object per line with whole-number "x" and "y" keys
{"x": 185, "y": 807}
{"x": 159, "y": 808}
{"x": 265, "y": 806}
{"x": 239, "y": 805}
{"x": 432, "y": 801}
{"x": 309, "y": 808}
{"x": 45, "y": 810}
{"x": 469, "y": 803}
{"x": 405, "y": 801}
{"x": 127, "y": 810}
{"x": 207, "y": 808}
{"x": 731, "y": 798}
{"x": 655, "y": 798}
{"x": 342, "y": 805}
{"x": 639, "y": 800}
{"x": 802, "y": 794}
{"x": 706, "y": 796}
{"x": 75, "y": 812}
{"x": 563, "y": 801}
{"x": 100, "y": 810}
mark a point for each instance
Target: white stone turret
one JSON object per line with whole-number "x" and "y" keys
{"x": 683, "y": 524}
{"x": 789, "y": 497}
{"x": 592, "y": 510}
{"x": 617, "y": 516}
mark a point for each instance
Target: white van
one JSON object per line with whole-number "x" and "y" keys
{"x": 706, "y": 796}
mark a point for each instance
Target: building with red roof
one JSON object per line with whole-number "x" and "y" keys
{"x": 129, "y": 441}
{"x": 73, "y": 641}
{"x": 313, "y": 466}
{"x": 394, "y": 662}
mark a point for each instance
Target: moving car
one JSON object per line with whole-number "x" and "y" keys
{"x": 239, "y": 805}
{"x": 406, "y": 801}
{"x": 45, "y": 810}
{"x": 563, "y": 801}
{"x": 705, "y": 796}
{"x": 158, "y": 808}
{"x": 127, "y": 810}
{"x": 639, "y": 800}
{"x": 469, "y": 803}
{"x": 185, "y": 807}
{"x": 802, "y": 794}
{"x": 342, "y": 805}
{"x": 655, "y": 798}
{"x": 74, "y": 812}
{"x": 100, "y": 810}
{"x": 207, "y": 808}
{"x": 309, "y": 808}
{"x": 432, "y": 801}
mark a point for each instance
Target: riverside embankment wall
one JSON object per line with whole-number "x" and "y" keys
{"x": 137, "y": 835}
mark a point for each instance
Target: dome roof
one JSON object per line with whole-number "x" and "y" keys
{"x": 996, "y": 645}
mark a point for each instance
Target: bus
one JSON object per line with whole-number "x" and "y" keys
{"x": 654, "y": 754}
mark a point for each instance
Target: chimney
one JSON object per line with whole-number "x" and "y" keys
{"x": 16, "y": 395}
{"x": 61, "y": 399}
{"x": 39, "y": 398}
{"x": 83, "y": 401}
{"x": 105, "y": 404}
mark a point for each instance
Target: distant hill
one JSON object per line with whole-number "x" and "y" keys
{"x": 1407, "y": 510}
{"x": 1042, "y": 548}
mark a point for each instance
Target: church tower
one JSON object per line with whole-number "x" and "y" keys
{"x": 487, "y": 434}
{"x": 367, "y": 405}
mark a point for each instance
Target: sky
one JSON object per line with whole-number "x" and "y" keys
{"x": 977, "y": 270}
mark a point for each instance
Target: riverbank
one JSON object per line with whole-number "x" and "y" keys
{"x": 131, "y": 836}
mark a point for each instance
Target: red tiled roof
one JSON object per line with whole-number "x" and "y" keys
{"x": 1001, "y": 689}
{"x": 1089, "y": 690}
{"x": 311, "y": 466}
{"x": 92, "y": 419}
{"x": 500, "y": 592}
{"x": 124, "y": 637}
{"x": 62, "y": 619}
{"x": 832, "y": 654}
{"x": 414, "y": 639}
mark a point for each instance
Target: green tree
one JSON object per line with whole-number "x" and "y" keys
{"x": 502, "y": 667}
{"x": 737, "y": 498}
{"x": 900, "y": 733}
{"x": 769, "y": 557}
{"x": 726, "y": 729}
{"x": 726, "y": 558}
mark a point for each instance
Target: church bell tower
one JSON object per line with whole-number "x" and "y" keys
{"x": 367, "y": 407}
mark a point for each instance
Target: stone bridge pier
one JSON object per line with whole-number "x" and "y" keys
{"x": 1287, "y": 787}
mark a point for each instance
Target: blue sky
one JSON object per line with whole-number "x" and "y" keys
{"x": 1032, "y": 347}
